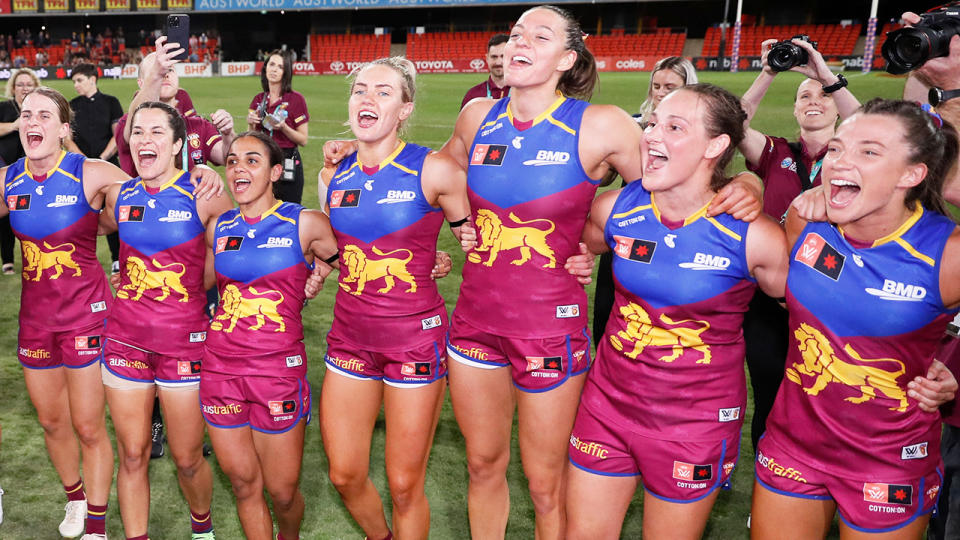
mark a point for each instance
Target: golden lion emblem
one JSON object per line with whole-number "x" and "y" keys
{"x": 142, "y": 278}
{"x": 643, "y": 333}
{"x": 820, "y": 361}
{"x": 236, "y": 306}
{"x": 37, "y": 260}
{"x": 361, "y": 269}
{"x": 496, "y": 237}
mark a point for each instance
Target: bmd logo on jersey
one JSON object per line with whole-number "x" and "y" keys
{"x": 63, "y": 200}
{"x": 277, "y": 242}
{"x": 345, "y": 198}
{"x": 816, "y": 253}
{"x": 914, "y": 451}
{"x": 704, "y": 261}
{"x": 18, "y": 202}
{"x": 634, "y": 248}
{"x": 548, "y": 157}
{"x": 398, "y": 196}
{"x": 229, "y": 243}
{"x": 177, "y": 215}
{"x": 897, "y": 291}
{"x": 131, "y": 213}
{"x": 488, "y": 154}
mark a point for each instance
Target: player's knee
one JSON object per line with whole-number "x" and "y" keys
{"x": 134, "y": 457}
{"x": 246, "y": 486}
{"x": 347, "y": 479}
{"x": 188, "y": 463}
{"x": 486, "y": 466}
{"x": 90, "y": 433}
{"x": 54, "y": 424}
{"x": 284, "y": 497}
{"x": 405, "y": 489}
{"x": 545, "y": 494}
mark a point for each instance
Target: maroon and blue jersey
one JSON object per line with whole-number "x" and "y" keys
{"x": 64, "y": 286}
{"x": 387, "y": 240}
{"x": 529, "y": 197}
{"x": 670, "y": 363}
{"x": 261, "y": 273}
{"x": 160, "y": 302}
{"x": 864, "y": 321}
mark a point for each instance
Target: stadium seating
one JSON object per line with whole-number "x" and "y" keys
{"x": 832, "y": 39}
{"x": 348, "y": 47}
{"x": 464, "y": 45}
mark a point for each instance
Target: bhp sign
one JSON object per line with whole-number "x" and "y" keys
{"x": 194, "y": 70}
{"x": 238, "y": 69}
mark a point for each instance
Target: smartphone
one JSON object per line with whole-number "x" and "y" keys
{"x": 178, "y": 31}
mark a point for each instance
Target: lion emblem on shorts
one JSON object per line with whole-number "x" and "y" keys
{"x": 236, "y": 306}
{"x": 362, "y": 269}
{"x": 160, "y": 277}
{"x": 37, "y": 259}
{"x": 821, "y": 362}
{"x": 643, "y": 333}
{"x": 495, "y": 237}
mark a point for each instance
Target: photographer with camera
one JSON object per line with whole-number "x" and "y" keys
{"x": 787, "y": 169}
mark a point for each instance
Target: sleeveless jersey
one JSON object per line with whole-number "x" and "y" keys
{"x": 261, "y": 273}
{"x": 160, "y": 302}
{"x": 863, "y": 323}
{"x": 64, "y": 286}
{"x": 387, "y": 239}
{"x": 670, "y": 363}
{"x": 529, "y": 197}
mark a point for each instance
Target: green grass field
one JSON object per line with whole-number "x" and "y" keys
{"x": 33, "y": 504}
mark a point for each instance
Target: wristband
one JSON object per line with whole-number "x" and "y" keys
{"x": 333, "y": 258}
{"x": 841, "y": 83}
{"x": 936, "y": 96}
{"x": 459, "y": 222}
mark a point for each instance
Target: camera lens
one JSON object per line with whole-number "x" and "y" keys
{"x": 784, "y": 55}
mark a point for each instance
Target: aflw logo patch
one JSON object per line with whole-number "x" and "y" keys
{"x": 18, "y": 202}
{"x": 488, "y": 154}
{"x": 816, "y": 253}
{"x": 229, "y": 243}
{"x": 690, "y": 472}
{"x": 345, "y": 198}
{"x": 888, "y": 493}
{"x": 130, "y": 213}
{"x": 634, "y": 249}
{"x": 914, "y": 451}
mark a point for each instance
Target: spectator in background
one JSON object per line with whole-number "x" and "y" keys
{"x": 95, "y": 115}
{"x": 21, "y": 82}
{"x": 282, "y": 113}
{"x": 494, "y": 86}
{"x": 4, "y": 59}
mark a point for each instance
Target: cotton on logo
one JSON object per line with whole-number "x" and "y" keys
{"x": 477, "y": 64}
{"x": 337, "y": 65}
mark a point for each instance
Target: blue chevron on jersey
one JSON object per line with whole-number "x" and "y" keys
{"x": 39, "y": 209}
{"x": 155, "y": 220}
{"x": 665, "y": 267}
{"x": 511, "y": 166}
{"x": 248, "y": 251}
{"x": 896, "y": 279}
{"x": 369, "y": 206}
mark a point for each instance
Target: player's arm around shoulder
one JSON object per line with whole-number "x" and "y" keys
{"x": 600, "y": 212}
{"x": 444, "y": 184}
{"x": 610, "y": 138}
{"x": 108, "y": 221}
{"x": 98, "y": 178}
{"x": 768, "y": 255}
{"x": 950, "y": 271}
{"x": 4, "y": 209}
{"x": 210, "y": 208}
{"x": 316, "y": 235}
{"x": 468, "y": 122}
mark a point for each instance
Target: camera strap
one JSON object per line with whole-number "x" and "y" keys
{"x": 806, "y": 177}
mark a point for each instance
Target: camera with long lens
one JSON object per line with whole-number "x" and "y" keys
{"x": 786, "y": 54}
{"x": 908, "y": 48}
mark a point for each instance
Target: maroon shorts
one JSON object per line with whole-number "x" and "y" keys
{"x": 537, "y": 365}
{"x": 678, "y": 472}
{"x": 418, "y": 366}
{"x": 38, "y": 348}
{"x": 136, "y": 364}
{"x": 868, "y": 506}
{"x": 266, "y": 404}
